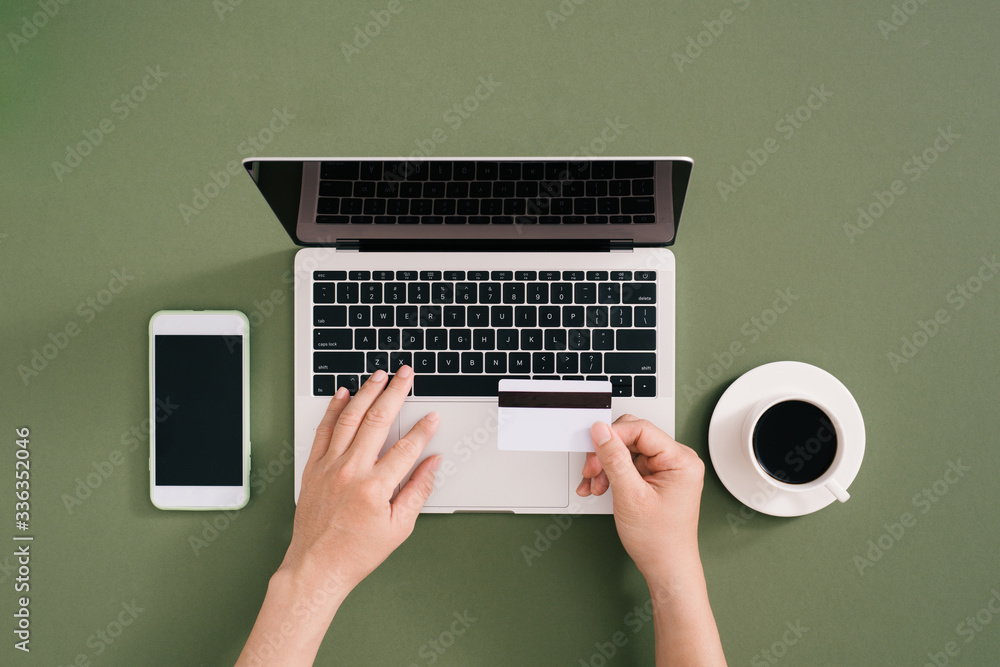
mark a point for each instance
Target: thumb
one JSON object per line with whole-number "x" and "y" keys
{"x": 615, "y": 457}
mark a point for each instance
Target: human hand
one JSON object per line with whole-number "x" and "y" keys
{"x": 657, "y": 485}
{"x": 346, "y": 522}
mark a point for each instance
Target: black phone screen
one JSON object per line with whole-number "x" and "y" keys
{"x": 198, "y": 394}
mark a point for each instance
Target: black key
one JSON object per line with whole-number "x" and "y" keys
{"x": 479, "y": 275}
{"x": 543, "y": 362}
{"x": 437, "y": 339}
{"x": 584, "y": 293}
{"x": 645, "y": 385}
{"x": 412, "y": 339}
{"x": 531, "y": 339}
{"x": 634, "y": 169}
{"x": 442, "y": 293}
{"x": 502, "y": 220}
{"x": 416, "y": 170}
{"x": 377, "y": 361}
{"x": 359, "y": 316}
{"x": 597, "y": 188}
{"x": 561, "y": 293}
{"x": 339, "y": 362}
{"x": 454, "y": 316}
{"x": 579, "y": 339}
{"x": 467, "y": 207}
{"x": 504, "y": 189}
{"x": 347, "y": 292}
{"x": 365, "y": 339}
{"x": 621, "y": 316}
{"x": 636, "y": 339}
{"x": 573, "y": 189}
{"x": 465, "y": 292}
{"x": 645, "y": 275}
{"x": 464, "y": 171}
{"x": 440, "y": 170}
{"x": 335, "y": 189}
{"x": 430, "y": 275}
{"x": 387, "y": 189}
{"x": 572, "y": 316}
{"x": 371, "y": 170}
{"x": 395, "y": 293}
{"x": 496, "y": 362}
{"x": 590, "y": 362}
{"x": 374, "y": 207}
{"x": 526, "y": 220}
{"x": 448, "y": 362}
{"x": 472, "y": 362}
{"x": 480, "y": 190}
{"x": 597, "y": 378}
{"x": 637, "y": 205}
{"x": 567, "y": 362}
{"x": 479, "y": 219}
{"x": 556, "y": 171}
{"x": 324, "y": 293}
{"x": 329, "y": 275}
{"x": 548, "y": 275}
{"x": 510, "y": 171}
{"x": 645, "y": 316}
{"x": 513, "y": 207}
{"x": 525, "y": 316}
{"x": 597, "y": 316}
{"x": 532, "y": 171}
{"x": 423, "y": 362}
{"x": 597, "y": 275}
{"x": 361, "y": 219}
{"x": 609, "y": 293}
{"x": 643, "y": 187}
{"x": 573, "y": 220}
{"x": 548, "y": 316}
{"x": 454, "y": 275}
{"x": 332, "y": 219}
{"x": 537, "y": 293}
{"x": 408, "y": 220}
{"x": 383, "y": 275}
{"x": 349, "y": 381}
{"x": 406, "y": 275}
{"x": 351, "y": 206}
{"x": 549, "y": 220}
{"x": 519, "y": 362}
{"x": 478, "y": 316}
{"x": 639, "y": 293}
{"x": 397, "y": 359}
{"x": 573, "y": 377}
{"x": 433, "y": 190}
{"x": 364, "y": 189}
{"x": 621, "y": 275}
{"x": 421, "y": 206}
{"x": 608, "y": 206}
{"x": 359, "y": 275}
{"x": 371, "y": 292}
{"x": 330, "y": 316}
{"x": 339, "y": 171}
{"x": 561, "y": 206}
{"x": 501, "y": 316}
{"x": 388, "y": 339}
{"x": 647, "y": 219}
{"x": 410, "y": 190}
{"x": 430, "y": 316}
{"x": 507, "y": 339}
{"x": 572, "y": 275}
{"x": 462, "y": 385}
{"x": 513, "y": 292}
{"x": 555, "y": 339}
{"x": 621, "y": 385}
{"x": 525, "y": 189}
{"x": 483, "y": 339}
{"x": 602, "y": 339}
{"x": 407, "y": 316}
{"x": 444, "y": 207}
{"x": 486, "y": 171}
{"x": 460, "y": 339}
{"x": 604, "y": 169}
{"x": 630, "y": 362}
{"x": 382, "y": 316}
{"x": 585, "y": 206}
{"x": 418, "y": 292}
{"x": 490, "y": 293}
{"x": 324, "y": 385}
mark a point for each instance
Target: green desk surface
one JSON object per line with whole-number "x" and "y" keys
{"x": 890, "y": 107}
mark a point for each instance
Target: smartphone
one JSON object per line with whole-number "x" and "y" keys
{"x": 199, "y": 391}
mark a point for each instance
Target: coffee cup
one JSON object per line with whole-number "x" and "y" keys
{"x": 795, "y": 443}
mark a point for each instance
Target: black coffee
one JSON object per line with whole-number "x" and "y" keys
{"x": 794, "y": 442}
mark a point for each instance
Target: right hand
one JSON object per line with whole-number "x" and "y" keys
{"x": 657, "y": 485}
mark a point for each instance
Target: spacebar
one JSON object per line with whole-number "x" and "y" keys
{"x": 458, "y": 385}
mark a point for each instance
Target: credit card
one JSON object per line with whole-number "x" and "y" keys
{"x": 550, "y": 415}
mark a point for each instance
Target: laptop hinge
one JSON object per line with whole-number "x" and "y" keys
{"x": 348, "y": 245}
{"x": 621, "y": 245}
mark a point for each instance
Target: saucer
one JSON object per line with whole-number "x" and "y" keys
{"x": 725, "y": 434}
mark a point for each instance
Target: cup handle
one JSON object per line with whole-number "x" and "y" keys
{"x": 837, "y": 490}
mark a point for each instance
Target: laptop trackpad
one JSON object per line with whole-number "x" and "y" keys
{"x": 474, "y": 473}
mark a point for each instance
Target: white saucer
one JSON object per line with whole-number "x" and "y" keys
{"x": 725, "y": 435}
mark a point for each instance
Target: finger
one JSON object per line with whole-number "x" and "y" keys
{"x": 324, "y": 432}
{"x": 411, "y": 498}
{"x": 351, "y": 416}
{"x": 661, "y": 452}
{"x": 592, "y": 466}
{"x": 583, "y": 488}
{"x": 401, "y": 457}
{"x": 600, "y": 484}
{"x": 378, "y": 418}
{"x": 616, "y": 459}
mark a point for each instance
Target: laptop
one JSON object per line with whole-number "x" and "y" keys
{"x": 474, "y": 270}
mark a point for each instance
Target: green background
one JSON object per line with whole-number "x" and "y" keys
{"x": 61, "y": 236}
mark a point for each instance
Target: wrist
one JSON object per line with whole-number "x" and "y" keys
{"x": 311, "y": 594}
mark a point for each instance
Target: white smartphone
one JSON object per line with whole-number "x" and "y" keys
{"x": 199, "y": 391}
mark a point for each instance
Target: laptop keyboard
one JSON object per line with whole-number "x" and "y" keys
{"x": 455, "y": 192}
{"x": 464, "y": 331}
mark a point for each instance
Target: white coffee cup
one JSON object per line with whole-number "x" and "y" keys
{"x": 829, "y": 478}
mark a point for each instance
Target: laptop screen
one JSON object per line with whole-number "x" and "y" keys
{"x": 476, "y": 203}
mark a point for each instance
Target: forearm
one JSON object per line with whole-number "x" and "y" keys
{"x": 686, "y": 633}
{"x": 292, "y": 621}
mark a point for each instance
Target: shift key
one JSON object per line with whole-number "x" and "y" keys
{"x": 629, "y": 362}
{"x": 338, "y": 362}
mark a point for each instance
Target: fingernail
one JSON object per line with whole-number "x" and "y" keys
{"x": 432, "y": 416}
{"x": 404, "y": 371}
{"x": 600, "y": 433}
{"x": 437, "y": 462}
{"x": 341, "y": 392}
{"x": 378, "y": 376}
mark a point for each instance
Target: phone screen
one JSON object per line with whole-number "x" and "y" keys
{"x": 199, "y": 410}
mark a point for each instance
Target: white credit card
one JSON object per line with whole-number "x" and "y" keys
{"x": 550, "y": 415}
